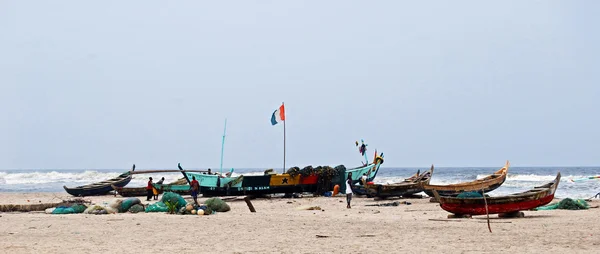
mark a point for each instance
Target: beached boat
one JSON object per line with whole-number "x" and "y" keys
{"x": 270, "y": 183}
{"x": 141, "y": 191}
{"x": 508, "y": 204}
{"x": 101, "y": 188}
{"x": 486, "y": 184}
{"x": 409, "y": 186}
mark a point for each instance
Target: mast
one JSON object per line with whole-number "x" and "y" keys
{"x": 223, "y": 145}
{"x": 283, "y": 142}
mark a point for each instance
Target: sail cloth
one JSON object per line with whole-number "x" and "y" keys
{"x": 278, "y": 115}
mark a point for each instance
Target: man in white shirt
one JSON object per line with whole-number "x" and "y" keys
{"x": 349, "y": 190}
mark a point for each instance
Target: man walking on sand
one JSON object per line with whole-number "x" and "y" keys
{"x": 195, "y": 187}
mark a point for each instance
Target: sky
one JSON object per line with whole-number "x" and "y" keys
{"x": 105, "y": 84}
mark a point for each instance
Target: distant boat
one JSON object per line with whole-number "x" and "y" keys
{"x": 486, "y": 184}
{"x": 409, "y": 186}
{"x": 101, "y": 188}
{"x": 512, "y": 203}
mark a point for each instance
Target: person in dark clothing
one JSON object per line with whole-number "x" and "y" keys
{"x": 149, "y": 190}
{"x": 195, "y": 188}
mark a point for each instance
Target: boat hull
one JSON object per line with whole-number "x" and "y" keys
{"x": 538, "y": 196}
{"x": 479, "y": 209}
{"x": 95, "y": 190}
{"x": 484, "y": 185}
{"x": 409, "y": 186}
{"x": 214, "y": 185}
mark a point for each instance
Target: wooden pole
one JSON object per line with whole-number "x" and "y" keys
{"x": 250, "y": 206}
{"x": 486, "y": 208}
{"x": 283, "y": 139}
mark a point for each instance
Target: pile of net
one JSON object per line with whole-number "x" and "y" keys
{"x": 327, "y": 176}
{"x": 96, "y": 209}
{"x": 216, "y": 204}
{"x": 168, "y": 197}
{"x": 137, "y": 208}
{"x": 566, "y": 204}
{"x": 157, "y": 207}
{"x": 77, "y": 208}
{"x": 123, "y": 205}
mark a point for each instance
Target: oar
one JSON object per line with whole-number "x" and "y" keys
{"x": 182, "y": 172}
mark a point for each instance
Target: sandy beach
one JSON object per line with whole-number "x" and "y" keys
{"x": 281, "y": 226}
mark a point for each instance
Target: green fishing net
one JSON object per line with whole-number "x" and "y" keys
{"x": 216, "y": 204}
{"x": 567, "y": 204}
{"x": 173, "y": 198}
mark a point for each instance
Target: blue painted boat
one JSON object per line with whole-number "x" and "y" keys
{"x": 228, "y": 185}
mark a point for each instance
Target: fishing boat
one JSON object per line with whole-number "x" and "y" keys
{"x": 321, "y": 181}
{"x": 101, "y": 188}
{"x": 508, "y": 204}
{"x": 141, "y": 191}
{"x": 486, "y": 184}
{"x": 409, "y": 186}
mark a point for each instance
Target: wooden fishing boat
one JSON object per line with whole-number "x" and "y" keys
{"x": 409, "y": 186}
{"x": 141, "y": 191}
{"x": 486, "y": 184}
{"x": 218, "y": 185}
{"x": 508, "y": 204}
{"x": 100, "y": 188}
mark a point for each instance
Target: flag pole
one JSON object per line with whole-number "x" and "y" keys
{"x": 223, "y": 145}
{"x": 283, "y": 141}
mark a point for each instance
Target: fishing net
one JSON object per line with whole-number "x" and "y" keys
{"x": 128, "y": 203}
{"x": 328, "y": 177}
{"x": 95, "y": 209}
{"x": 115, "y": 205}
{"x": 469, "y": 194}
{"x": 63, "y": 210}
{"x": 157, "y": 207}
{"x": 567, "y": 204}
{"x": 173, "y": 198}
{"x": 137, "y": 208}
{"x": 216, "y": 204}
{"x": 79, "y": 208}
{"x": 293, "y": 171}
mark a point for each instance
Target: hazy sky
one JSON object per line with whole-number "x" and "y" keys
{"x": 104, "y": 84}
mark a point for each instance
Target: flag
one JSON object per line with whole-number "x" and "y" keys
{"x": 278, "y": 116}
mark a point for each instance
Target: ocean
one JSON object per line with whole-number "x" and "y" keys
{"x": 519, "y": 178}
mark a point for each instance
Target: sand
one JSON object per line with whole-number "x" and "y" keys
{"x": 280, "y": 226}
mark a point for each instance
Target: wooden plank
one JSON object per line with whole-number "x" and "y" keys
{"x": 250, "y": 206}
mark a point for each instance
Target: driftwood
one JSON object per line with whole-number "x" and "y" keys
{"x": 250, "y": 206}
{"x": 27, "y": 207}
{"x": 39, "y": 206}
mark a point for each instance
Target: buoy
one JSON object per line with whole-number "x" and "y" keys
{"x": 193, "y": 211}
{"x": 200, "y": 212}
{"x": 189, "y": 207}
{"x": 336, "y": 189}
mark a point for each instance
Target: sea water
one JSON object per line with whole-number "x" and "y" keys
{"x": 519, "y": 178}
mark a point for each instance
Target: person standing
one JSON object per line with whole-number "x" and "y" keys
{"x": 349, "y": 190}
{"x": 149, "y": 190}
{"x": 195, "y": 187}
{"x": 155, "y": 191}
